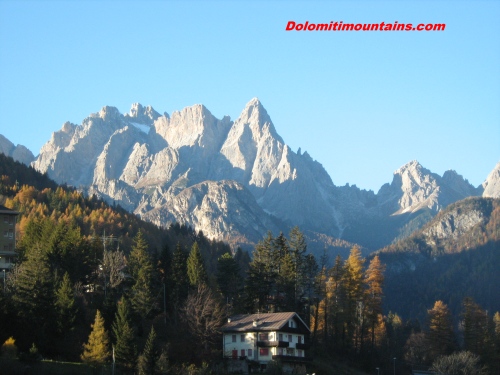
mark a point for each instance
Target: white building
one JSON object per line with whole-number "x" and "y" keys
{"x": 251, "y": 341}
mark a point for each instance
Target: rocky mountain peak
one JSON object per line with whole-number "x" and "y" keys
{"x": 143, "y": 115}
{"x": 492, "y": 183}
{"x": 108, "y": 113}
{"x": 19, "y": 153}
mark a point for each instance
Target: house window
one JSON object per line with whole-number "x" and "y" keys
{"x": 264, "y": 352}
{"x": 6, "y": 234}
{"x": 263, "y": 336}
{"x": 300, "y": 353}
{"x": 242, "y": 338}
{"x": 234, "y": 338}
{"x": 11, "y": 233}
{"x": 300, "y": 339}
{"x": 6, "y": 219}
{"x": 249, "y": 353}
{"x": 242, "y": 352}
{"x": 289, "y": 338}
{"x": 280, "y": 337}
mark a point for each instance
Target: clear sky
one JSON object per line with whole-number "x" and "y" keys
{"x": 361, "y": 103}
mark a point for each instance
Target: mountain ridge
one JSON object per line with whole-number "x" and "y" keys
{"x": 143, "y": 161}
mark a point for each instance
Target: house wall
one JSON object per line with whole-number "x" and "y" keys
{"x": 245, "y": 341}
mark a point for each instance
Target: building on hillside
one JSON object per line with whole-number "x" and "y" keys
{"x": 251, "y": 341}
{"x": 7, "y": 237}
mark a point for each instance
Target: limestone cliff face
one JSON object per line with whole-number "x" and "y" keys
{"x": 19, "y": 153}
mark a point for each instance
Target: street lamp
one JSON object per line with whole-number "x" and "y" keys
{"x": 378, "y": 370}
{"x": 394, "y": 365}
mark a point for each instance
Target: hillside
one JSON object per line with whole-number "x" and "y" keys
{"x": 456, "y": 254}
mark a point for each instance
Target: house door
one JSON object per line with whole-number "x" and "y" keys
{"x": 235, "y": 354}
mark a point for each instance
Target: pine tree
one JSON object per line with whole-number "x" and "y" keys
{"x": 146, "y": 361}
{"x": 228, "y": 277}
{"x": 33, "y": 297}
{"x": 195, "y": 267}
{"x": 441, "y": 337}
{"x": 125, "y": 348}
{"x": 138, "y": 256}
{"x": 65, "y": 305}
{"x": 96, "y": 350}
{"x": 179, "y": 280}
{"x": 141, "y": 269}
{"x": 261, "y": 276}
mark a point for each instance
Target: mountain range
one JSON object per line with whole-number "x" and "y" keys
{"x": 236, "y": 180}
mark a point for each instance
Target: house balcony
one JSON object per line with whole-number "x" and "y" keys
{"x": 303, "y": 346}
{"x": 272, "y": 344}
{"x": 292, "y": 358}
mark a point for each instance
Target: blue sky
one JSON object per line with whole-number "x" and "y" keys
{"x": 361, "y": 103}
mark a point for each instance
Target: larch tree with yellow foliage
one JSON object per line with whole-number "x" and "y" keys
{"x": 96, "y": 350}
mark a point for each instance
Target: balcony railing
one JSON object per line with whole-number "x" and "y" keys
{"x": 271, "y": 344}
{"x": 304, "y": 346}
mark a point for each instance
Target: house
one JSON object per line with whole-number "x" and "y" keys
{"x": 7, "y": 237}
{"x": 251, "y": 341}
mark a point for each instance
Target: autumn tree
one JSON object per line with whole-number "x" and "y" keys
{"x": 440, "y": 335}
{"x": 204, "y": 316}
{"x": 353, "y": 281}
{"x": 459, "y": 363}
{"x": 96, "y": 350}
{"x": 374, "y": 279}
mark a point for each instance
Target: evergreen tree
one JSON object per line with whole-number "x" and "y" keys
{"x": 261, "y": 276}
{"x": 125, "y": 348}
{"x": 179, "y": 277}
{"x": 141, "y": 269}
{"x": 33, "y": 298}
{"x": 195, "y": 267}
{"x": 228, "y": 277}
{"x": 65, "y": 305}
{"x": 96, "y": 350}
{"x": 146, "y": 361}
{"x": 441, "y": 337}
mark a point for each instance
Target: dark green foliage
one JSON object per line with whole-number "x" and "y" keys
{"x": 65, "y": 306}
{"x": 179, "y": 276}
{"x": 228, "y": 278}
{"x": 33, "y": 298}
{"x": 195, "y": 267}
{"x": 141, "y": 270}
{"x": 124, "y": 337}
{"x": 147, "y": 360}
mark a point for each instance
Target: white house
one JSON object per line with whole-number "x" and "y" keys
{"x": 251, "y": 341}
